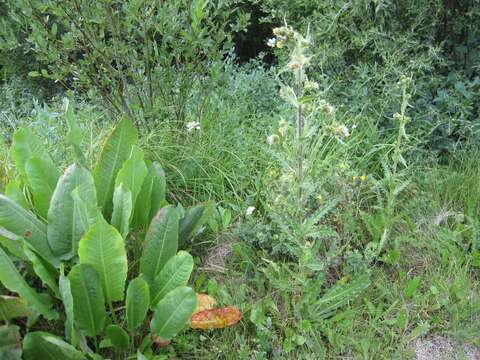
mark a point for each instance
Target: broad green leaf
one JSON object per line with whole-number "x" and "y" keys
{"x": 23, "y": 223}
{"x": 141, "y": 214}
{"x": 103, "y": 248}
{"x": 172, "y": 312}
{"x": 159, "y": 187}
{"x": 14, "y": 192}
{"x": 14, "y": 281}
{"x": 85, "y": 210}
{"x": 44, "y": 270}
{"x": 42, "y": 345}
{"x": 12, "y": 307}
{"x": 26, "y": 145}
{"x": 175, "y": 273}
{"x": 10, "y": 342}
{"x": 67, "y": 300}
{"x": 88, "y": 299}
{"x": 42, "y": 177}
{"x": 12, "y": 243}
{"x": 133, "y": 173}
{"x": 63, "y": 229}
{"x": 115, "y": 152}
{"x": 161, "y": 242}
{"x": 127, "y": 187}
{"x": 194, "y": 218}
{"x": 137, "y": 302}
{"x": 122, "y": 210}
{"x": 118, "y": 337}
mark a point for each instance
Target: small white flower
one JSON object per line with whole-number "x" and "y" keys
{"x": 250, "y": 210}
{"x": 193, "y": 125}
{"x": 311, "y": 85}
{"x": 342, "y": 130}
{"x": 271, "y": 42}
{"x": 270, "y": 139}
{"x": 354, "y": 126}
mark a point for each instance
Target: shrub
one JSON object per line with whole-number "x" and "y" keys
{"x": 141, "y": 58}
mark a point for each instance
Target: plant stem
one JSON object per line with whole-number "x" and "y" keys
{"x": 299, "y": 125}
{"x": 112, "y": 310}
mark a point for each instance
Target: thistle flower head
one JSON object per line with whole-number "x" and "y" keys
{"x": 271, "y": 139}
{"x": 340, "y": 130}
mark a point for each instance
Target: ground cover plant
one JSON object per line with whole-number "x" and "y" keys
{"x": 161, "y": 199}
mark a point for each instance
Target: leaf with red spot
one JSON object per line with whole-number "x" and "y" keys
{"x": 215, "y": 318}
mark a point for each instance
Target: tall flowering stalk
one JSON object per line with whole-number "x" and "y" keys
{"x": 297, "y": 65}
{"x": 293, "y": 179}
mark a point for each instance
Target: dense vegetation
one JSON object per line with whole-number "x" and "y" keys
{"x": 311, "y": 164}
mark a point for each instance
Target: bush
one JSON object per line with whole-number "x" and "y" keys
{"x": 142, "y": 59}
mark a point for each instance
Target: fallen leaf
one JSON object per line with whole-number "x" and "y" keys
{"x": 215, "y": 318}
{"x": 204, "y": 302}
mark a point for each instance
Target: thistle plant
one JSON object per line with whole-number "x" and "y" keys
{"x": 294, "y": 145}
{"x": 394, "y": 181}
{"x": 403, "y": 120}
{"x": 296, "y": 201}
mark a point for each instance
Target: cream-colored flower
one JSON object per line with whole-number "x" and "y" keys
{"x": 193, "y": 125}
{"x": 271, "y": 139}
{"x": 250, "y": 210}
{"x": 340, "y": 130}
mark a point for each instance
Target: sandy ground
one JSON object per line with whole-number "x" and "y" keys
{"x": 444, "y": 348}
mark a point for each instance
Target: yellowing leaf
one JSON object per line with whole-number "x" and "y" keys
{"x": 204, "y": 302}
{"x": 215, "y": 318}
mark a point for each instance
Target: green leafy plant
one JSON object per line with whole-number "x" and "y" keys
{"x": 86, "y": 237}
{"x": 294, "y": 204}
{"x": 140, "y": 58}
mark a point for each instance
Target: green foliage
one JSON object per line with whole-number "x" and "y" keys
{"x": 64, "y": 230}
{"x": 24, "y": 224}
{"x": 103, "y": 248}
{"x": 336, "y": 230}
{"x": 141, "y": 58}
{"x": 175, "y": 273}
{"x": 24, "y": 147}
{"x": 9, "y": 340}
{"x": 115, "y": 152}
{"x": 137, "y": 302}
{"x": 118, "y": 337}
{"x": 161, "y": 242}
{"x": 364, "y": 46}
{"x": 46, "y": 346}
{"x": 95, "y": 253}
{"x": 42, "y": 177}
{"x": 88, "y": 299}
{"x": 172, "y": 312}
{"x": 13, "y": 281}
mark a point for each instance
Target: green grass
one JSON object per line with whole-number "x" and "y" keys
{"x": 430, "y": 285}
